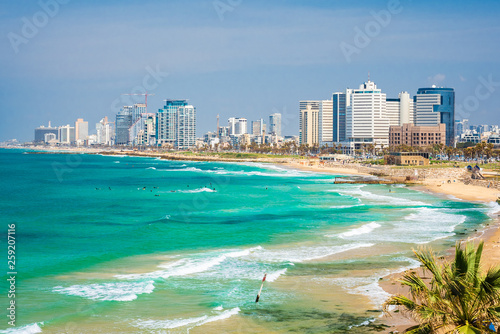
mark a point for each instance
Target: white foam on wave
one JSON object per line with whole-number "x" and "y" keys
{"x": 188, "y": 169}
{"x": 116, "y": 162}
{"x": 189, "y": 266}
{"x": 271, "y": 277}
{"x": 199, "y": 190}
{"x": 345, "y": 206}
{"x": 369, "y": 286}
{"x": 367, "y": 228}
{"x": 189, "y": 322}
{"x": 366, "y": 286}
{"x": 305, "y": 253}
{"x": 364, "y": 323}
{"x": 421, "y": 226}
{"x": 286, "y": 173}
{"x": 117, "y": 291}
{"x": 358, "y": 192}
{"x": 151, "y": 168}
{"x": 428, "y": 224}
{"x": 493, "y": 209}
{"x": 28, "y": 329}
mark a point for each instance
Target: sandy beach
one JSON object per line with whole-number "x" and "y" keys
{"x": 441, "y": 186}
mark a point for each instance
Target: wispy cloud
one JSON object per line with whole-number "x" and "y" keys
{"x": 436, "y": 79}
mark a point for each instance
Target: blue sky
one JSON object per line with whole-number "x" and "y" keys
{"x": 238, "y": 58}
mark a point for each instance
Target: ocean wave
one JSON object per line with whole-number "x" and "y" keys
{"x": 118, "y": 291}
{"x": 271, "y": 277}
{"x": 359, "y": 192}
{"x": 199, "y": 190}
{"x": 365, "y": 286}
{"x": 28, "y": 329}
{"x": 493, "y": 209}
{"x": 427, "y": 225}
{"x": 367, "y": 228}
{"x": 189, "y": 322}
{"x": 421, "y": 226}
{"x": 256, "y": 173}
{"x": 188, "y": 169}
{"x": 305, "y": 253}
{"x": 151, "y": 168}
{"x": 345, "y": 206}
{"x": 189, "y": 266}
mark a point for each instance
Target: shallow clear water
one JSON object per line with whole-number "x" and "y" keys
{"x": 115, "y": 244}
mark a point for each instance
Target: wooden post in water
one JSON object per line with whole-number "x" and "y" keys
{"x": 261, "y": 286}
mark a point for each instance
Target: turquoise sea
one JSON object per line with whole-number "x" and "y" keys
{"x": 118, "y": 244}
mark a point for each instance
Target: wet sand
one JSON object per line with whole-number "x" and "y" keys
{"x": 439, "y": 186}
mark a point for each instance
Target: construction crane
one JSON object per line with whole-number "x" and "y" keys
{"x": 144, "y": 94}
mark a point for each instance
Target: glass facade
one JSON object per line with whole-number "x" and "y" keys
{"x": 339, "y": 120}
{"x": 446, "y": 109}
{"x": 123, "y": 123}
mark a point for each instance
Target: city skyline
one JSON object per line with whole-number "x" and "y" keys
{"x": 238, "y": 58}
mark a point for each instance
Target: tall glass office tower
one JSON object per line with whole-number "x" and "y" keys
{"x": 436, "y": 105}
{"x": 339, "y": 123}
{"x": 123, "y": 123}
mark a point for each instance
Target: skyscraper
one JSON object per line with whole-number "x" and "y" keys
{"x": 166, "y": 123}
{"x": 231, "y": 124}
{"x": 325, "y": 119}
{"x": 241, "y": 126}
{"x": 186, "y": 127}
{"x": 138, "y": 110}
{"x": 258, "y": 127}
{"x": 176, "y": 124}
{"x": 308, "y": 122}
{"x": 41, "y": 131}
{"x": 434, "y": 106}
{"x": 105, "y": 132}
{"x": 366, "y": 119}
{"x": 81, "y": 130}
{"x": 275, "y": 124}
{"x": 66, "y": 134}
{"x": 400, "y": 111}
{"x": 123, "y": 123}
{"x": 338, "y": 116}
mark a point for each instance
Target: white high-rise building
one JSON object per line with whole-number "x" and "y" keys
{"x": 325, "y": 122}
{"x": 186, "y": 127}
{"x": 66, "y": 134}
{"x": 237, "y": 126}
{"x": 176, "y": 125}
{"x": 366, "y": 118}
{"x": 241, "y": 126}
{"x": 231, "y": 124}
{"x": 275, "y": 124}
{"x": 309, "y": 122}
{"x": 105, "y": 132}
{"x": 401, "y": 110}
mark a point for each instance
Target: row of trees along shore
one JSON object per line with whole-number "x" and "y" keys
{"x": 480, "y": 150}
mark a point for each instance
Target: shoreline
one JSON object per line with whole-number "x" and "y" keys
{"x": 438, "y": 186}
{"x": 441, "y": 187}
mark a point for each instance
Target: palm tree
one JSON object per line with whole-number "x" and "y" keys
{"x": 460, "y": 298}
